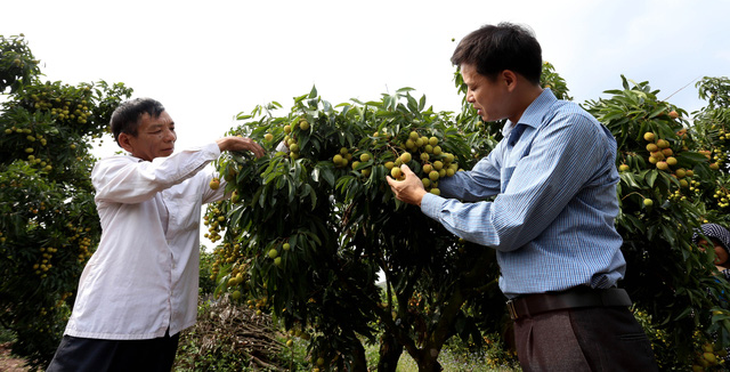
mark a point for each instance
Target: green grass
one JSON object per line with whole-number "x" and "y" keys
{"x": 6, "y": 335}
{"x": 451, "y": 361}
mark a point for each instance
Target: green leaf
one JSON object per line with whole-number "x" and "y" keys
{"x": 651, "y": 177}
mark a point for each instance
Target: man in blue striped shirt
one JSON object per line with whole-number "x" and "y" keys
{"x": 552, "y": 221}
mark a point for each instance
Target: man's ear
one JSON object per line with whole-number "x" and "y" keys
{"x": 510, "y": 79}
{"x": 124, "y": 140}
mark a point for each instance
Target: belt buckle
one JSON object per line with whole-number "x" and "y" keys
{"x": 512, "y": 310}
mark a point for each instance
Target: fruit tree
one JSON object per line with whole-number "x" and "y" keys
{"x": 48, "y": 221}
{"x": 312, "y": 224}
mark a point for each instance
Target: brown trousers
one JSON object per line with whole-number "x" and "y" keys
{"x": 583, "y": 339}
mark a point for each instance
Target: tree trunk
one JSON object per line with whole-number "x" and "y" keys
{"x": 428, "y": 361}
{"x": 359, "y": 362}
{"x": 390, "y": 352}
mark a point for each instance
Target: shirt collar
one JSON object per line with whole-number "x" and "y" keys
{"x": 534, "y": 113}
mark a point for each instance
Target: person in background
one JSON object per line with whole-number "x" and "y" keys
{"x": 719, "y": 241}
{"x": 552, "y": 221}
{"x": 140, "y": 287}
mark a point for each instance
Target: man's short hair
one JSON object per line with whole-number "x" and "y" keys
{"x": 493, "y": 49}
{"x": 125, "y": 118}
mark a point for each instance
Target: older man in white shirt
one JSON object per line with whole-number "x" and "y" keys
{"x": 139, "y": 289}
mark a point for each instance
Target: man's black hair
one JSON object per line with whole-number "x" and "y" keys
{"x": 125, "y": 118}
{"x": 493, "y": 49}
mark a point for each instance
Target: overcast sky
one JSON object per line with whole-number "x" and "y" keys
{"x": 209, "y": 61}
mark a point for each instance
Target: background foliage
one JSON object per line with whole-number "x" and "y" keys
{"x": 48, "y": 221}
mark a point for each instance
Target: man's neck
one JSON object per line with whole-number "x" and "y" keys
{"x": 524, "y": 99}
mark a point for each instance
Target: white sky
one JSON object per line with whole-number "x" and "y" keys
{"x": 206, "y": 61}
{"x": 209, "y": 61}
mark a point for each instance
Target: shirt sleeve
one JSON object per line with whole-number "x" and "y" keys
{"x": 565, "y": 156}
{"x": 123, "y": 180}
{"x": 478, "y": 184}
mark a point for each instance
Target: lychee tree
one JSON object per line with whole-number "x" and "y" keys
{"x": 48, "y": 222}
{"x": 672, "y": 180}
{"x": 311, "y": 225}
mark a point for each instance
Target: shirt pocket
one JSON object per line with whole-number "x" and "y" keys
{"x": 184, "y": 208}
{"x": 505, "y": 177}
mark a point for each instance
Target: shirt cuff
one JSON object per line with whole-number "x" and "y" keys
{"x": 431, "y": 205}
{"x": 212, "y": 149}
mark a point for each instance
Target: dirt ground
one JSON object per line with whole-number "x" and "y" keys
{"x": 8, "y": 363}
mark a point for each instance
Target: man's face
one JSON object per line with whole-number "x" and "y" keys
{"x": 488, "y": 97}
{"x": 155, "y": 137}
{"x": 721, "y": 255}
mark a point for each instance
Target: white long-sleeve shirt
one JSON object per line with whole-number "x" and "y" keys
{"x": 143, "y": 277}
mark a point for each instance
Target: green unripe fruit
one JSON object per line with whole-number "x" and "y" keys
{"x": 273, "y": 253}
{"x": 364, "y": 157}
{"x": 648, "y": 202}
{"x": 405, "y": 157}
{"x": 433, "y": 175}
{"x": 396, "y": 172}
{"x": 433, "y": 141}
{"x": 435, "y": 191}
{"x": 389, "y": 165}
{"x": 277, "y": 261}
{"x": 413, "y": 135}
{"x": 304, "y": 125}
{"x": 424, "y": 156}
{"x": 286, "y": 246}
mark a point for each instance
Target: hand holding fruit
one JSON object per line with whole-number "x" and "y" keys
{"x": 410, "y": 190}
{"x": 240, "y": 144}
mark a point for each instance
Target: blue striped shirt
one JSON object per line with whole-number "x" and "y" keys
{"x": 552, "y": 221}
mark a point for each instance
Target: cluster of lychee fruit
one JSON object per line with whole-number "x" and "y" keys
{"x": 422, "y": 154}
{"x": 290, "y": 139}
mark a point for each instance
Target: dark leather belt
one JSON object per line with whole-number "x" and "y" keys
{"x": 530, "y": 305}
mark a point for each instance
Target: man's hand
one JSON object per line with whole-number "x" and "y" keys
{"x": 410, "y": 190}
{"x": 240, "y": 144}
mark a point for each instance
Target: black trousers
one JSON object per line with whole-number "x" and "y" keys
{"x": 76, "y": 354}
{"x": 583, "y": 339}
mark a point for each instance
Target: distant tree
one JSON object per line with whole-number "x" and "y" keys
{"x": 48, "y": 221}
